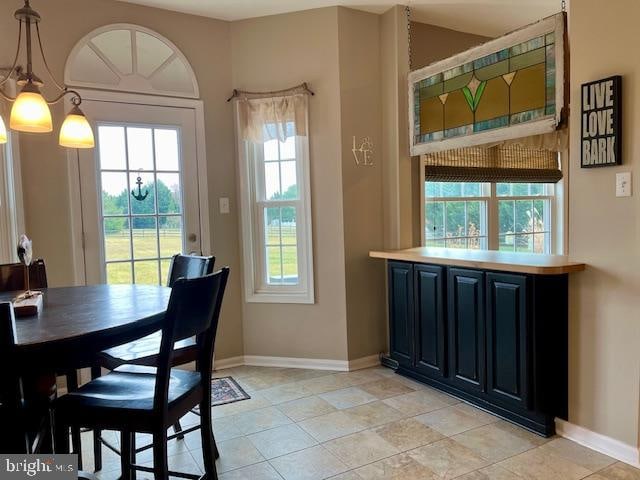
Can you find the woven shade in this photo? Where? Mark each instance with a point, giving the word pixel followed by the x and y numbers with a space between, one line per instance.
pixel 503 163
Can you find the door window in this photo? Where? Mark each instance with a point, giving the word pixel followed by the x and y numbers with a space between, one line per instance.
pixel 142 221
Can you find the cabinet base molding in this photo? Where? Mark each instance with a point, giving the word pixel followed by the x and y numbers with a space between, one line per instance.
pixel 292 362
pixel 545 427
pixel 601 443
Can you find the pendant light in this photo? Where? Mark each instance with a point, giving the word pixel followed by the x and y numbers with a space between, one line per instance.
pixel 76 131
pixel 30 111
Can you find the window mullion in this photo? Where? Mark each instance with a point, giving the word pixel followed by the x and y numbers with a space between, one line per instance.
pixel 493 220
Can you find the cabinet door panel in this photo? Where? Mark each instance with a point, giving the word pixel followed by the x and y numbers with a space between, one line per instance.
pixel 507 351
pixel 466 329
pixel 401 312
pixel 430 320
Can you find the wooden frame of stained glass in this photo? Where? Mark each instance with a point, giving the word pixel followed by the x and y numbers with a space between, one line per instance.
pixel 506 88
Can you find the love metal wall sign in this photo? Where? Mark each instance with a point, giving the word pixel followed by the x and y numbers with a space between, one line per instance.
pixel 601 119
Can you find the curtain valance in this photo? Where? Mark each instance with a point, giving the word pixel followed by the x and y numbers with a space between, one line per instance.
pixel 262 117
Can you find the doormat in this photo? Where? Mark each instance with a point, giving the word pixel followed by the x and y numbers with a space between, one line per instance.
pixel 225 390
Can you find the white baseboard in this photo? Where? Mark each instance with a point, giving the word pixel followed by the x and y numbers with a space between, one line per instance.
pixel 364 362
pixel 292 362
pixel 601 443
pixel 228 362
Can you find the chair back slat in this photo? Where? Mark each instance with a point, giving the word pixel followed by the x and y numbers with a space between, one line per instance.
pixel 13 276
pixel 193 310
pixel 189 266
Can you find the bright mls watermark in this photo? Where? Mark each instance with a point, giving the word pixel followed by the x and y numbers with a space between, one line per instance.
pixel 51 467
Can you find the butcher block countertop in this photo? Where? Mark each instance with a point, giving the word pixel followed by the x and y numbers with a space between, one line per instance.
pixel 535 264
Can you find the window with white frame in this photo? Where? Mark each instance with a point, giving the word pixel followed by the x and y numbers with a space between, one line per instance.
pixel 276 215
pixel 514 217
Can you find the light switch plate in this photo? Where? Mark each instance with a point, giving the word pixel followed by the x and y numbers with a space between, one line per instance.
pixel 224 205
pixel 623 184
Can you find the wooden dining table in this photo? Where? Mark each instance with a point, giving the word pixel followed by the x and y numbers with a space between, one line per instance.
pixel 76 323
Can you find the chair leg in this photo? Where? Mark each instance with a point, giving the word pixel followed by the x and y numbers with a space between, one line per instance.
pixel 127 453
pixel 72 386
pixel 97 451
pixel 76 442
pixel 216 452
pixel 209 447
pixel 60 436
pixel 160 462
pixel 133 455
pixel 178 428
pixel 97 443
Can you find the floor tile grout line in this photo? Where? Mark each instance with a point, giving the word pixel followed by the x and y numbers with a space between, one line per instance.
pixel 403 417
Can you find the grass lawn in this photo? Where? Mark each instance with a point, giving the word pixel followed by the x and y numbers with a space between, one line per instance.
pixel 145 245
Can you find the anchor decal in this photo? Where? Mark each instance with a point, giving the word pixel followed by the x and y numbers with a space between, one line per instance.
pixel 139 196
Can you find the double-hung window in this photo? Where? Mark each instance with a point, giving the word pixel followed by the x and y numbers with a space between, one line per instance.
pixel 276 213
pixel 514 217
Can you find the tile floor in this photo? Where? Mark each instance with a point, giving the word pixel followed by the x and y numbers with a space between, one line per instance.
pixel 366 425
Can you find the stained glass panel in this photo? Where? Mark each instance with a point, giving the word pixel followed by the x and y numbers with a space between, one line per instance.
pixel 510 86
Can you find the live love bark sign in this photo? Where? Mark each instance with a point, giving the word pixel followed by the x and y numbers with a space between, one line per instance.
pixel 601 123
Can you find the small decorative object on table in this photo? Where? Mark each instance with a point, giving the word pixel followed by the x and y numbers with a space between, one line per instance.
pixel 29 302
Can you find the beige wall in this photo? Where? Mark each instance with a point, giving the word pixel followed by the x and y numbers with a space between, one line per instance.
pixel 604 232
pixel 401 183
pixel 271 53
pixel 361 109
pixel 430 43
pixel 206 44
pixel 396 188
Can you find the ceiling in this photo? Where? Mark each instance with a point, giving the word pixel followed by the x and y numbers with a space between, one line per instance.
pixel 483 17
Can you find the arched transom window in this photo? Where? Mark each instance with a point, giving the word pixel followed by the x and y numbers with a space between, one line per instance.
pixel 130 58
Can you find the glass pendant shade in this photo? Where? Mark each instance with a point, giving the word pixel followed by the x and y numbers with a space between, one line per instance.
pixel 3 131
pixel 76 131
pixel 30 112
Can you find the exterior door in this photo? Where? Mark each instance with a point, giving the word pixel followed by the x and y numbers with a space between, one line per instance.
pixel 139 191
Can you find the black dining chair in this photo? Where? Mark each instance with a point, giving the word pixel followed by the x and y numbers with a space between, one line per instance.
pixel 140 399
pixel 13 277
pixel 145 350
pixel 24 398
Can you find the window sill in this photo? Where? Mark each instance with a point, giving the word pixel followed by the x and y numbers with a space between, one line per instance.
pixel 275 297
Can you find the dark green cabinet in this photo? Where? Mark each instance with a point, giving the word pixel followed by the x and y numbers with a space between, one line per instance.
pixel 507 338
pixel 495 339
pixel 466 329
pixel 430 321
pixel 401 312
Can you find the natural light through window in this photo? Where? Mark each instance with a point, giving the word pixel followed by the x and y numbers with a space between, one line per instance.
pixel 515 217
pixel 279 211
pixel 141 202
pixel 276 216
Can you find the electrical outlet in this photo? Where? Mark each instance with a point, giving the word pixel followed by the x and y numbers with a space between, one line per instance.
pixel 224 205
pixel 623 184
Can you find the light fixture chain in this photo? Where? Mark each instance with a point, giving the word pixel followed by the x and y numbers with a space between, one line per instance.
pixel 407 10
